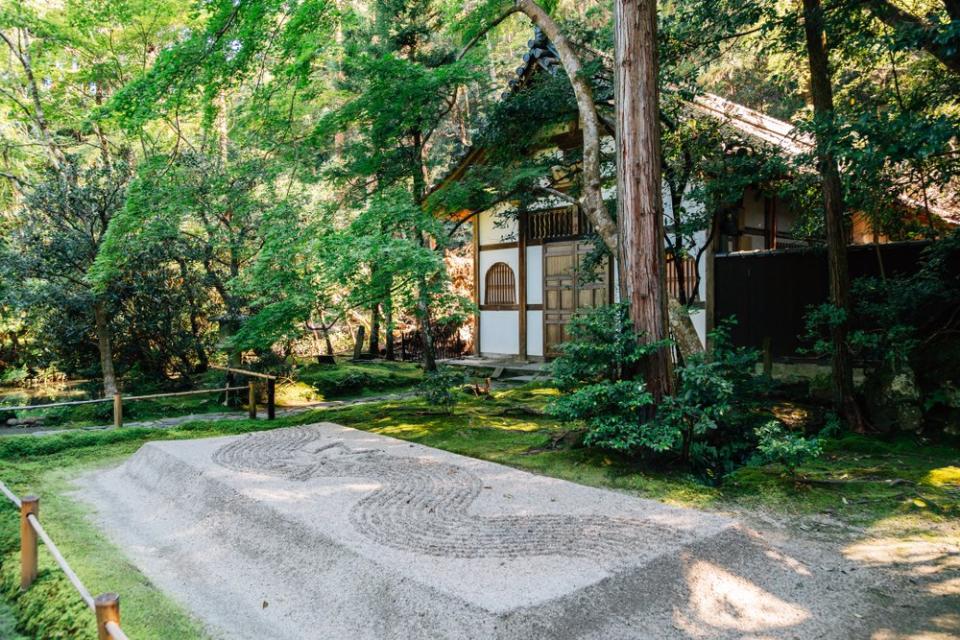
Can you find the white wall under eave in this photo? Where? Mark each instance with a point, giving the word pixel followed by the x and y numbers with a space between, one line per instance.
pixel 535 275
pixel 699 319
pixel 534 333
pixel 499 333
pixel 490 257
pixel 496 228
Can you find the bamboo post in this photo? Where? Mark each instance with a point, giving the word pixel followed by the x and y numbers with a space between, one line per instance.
pixel 117 410
pixel 271 398
pixel 252 399
pixel 107 606
pixel 29 505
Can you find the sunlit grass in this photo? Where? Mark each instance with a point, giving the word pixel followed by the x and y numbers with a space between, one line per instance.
pixel 894 488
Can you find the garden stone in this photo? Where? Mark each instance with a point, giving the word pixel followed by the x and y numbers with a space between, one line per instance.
pixel 893 400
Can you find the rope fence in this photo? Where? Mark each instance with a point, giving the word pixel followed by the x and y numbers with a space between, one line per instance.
pixel 118 399
pixel 106 607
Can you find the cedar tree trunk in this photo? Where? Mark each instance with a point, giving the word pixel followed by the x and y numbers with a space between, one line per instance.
pixel 639 187
pixel 822 94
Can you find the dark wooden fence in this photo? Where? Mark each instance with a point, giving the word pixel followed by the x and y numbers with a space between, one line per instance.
pixel 446 341
pixel 769 291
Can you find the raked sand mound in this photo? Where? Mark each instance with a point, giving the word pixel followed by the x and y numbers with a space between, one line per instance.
pixel 332 533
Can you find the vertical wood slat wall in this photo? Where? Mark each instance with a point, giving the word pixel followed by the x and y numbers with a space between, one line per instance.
pixel 500 285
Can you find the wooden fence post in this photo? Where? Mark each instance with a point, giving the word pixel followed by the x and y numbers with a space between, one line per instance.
pixel 252 399
pixel 117 410
pixel 271 398
pixel 107 606
pixel 29 505
pixel 768 357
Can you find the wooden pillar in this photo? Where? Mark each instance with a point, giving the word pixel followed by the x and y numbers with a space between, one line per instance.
pixel 476 284
pixel 252 399
pixel 107 606
pixel 713 239
pixel 30 505
pixel 522 282
pixel 117 410
pixel 271 399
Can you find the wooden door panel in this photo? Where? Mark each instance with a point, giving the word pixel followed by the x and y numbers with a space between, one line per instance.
pixel 564 292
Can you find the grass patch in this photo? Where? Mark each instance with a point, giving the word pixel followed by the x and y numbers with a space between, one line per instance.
pixel 897 483
pixel 357 379
pixel 51 608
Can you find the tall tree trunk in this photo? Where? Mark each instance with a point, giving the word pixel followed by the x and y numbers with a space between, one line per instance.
pixel 375 329
pixel 639 187
pixel 822 93
pixel 326 340
pixel 388 316
pixel 106 350
pixel 426 330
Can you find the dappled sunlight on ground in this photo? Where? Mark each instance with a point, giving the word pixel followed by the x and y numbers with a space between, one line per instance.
pixel 919 555
pixel 722 601
pixel 943 477
pixel 933 566
pixel 405 430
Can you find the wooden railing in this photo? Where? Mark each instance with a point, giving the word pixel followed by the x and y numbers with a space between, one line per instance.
pixel 106 607
pixel 118 399
pixel 554 224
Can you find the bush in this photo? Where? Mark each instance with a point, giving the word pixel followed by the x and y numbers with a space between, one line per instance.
pixel 713 423
pixel 904 331
pixel 441 388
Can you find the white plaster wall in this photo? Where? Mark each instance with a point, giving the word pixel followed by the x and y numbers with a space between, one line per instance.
pixel 534 333
pixel 699 319
pixel 535 275
pixel 492 256
pixel 496 228
pixel 499 332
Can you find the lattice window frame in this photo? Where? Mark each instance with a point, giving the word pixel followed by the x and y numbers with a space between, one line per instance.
pixel 501 285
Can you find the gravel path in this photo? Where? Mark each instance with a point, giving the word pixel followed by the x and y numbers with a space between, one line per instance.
pixel 327 532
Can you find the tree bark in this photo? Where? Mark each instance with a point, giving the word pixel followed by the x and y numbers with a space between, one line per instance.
pixel 821 92
pixel 639 185
pixel 592 199
pixel 106 350
pixel 375 329
pixel 388 317
pixel 426 330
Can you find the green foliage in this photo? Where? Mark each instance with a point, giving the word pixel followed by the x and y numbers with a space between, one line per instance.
pixel 905 323
pixel 440 388
pixel 713 422
pixel 776 444
pixel 602 347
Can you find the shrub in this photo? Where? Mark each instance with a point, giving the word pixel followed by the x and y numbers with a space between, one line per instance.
pixel 441 388
pixel 904 331
pixel 712 423
pixel 776 444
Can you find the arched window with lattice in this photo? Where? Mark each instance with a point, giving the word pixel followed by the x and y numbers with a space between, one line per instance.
pixel 501 285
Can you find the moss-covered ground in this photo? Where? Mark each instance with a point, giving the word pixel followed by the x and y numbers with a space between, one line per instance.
pixel 897 487
pixel 308 383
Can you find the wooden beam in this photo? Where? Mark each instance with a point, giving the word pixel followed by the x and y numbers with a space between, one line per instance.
pixel 476 284
pixel 522 281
